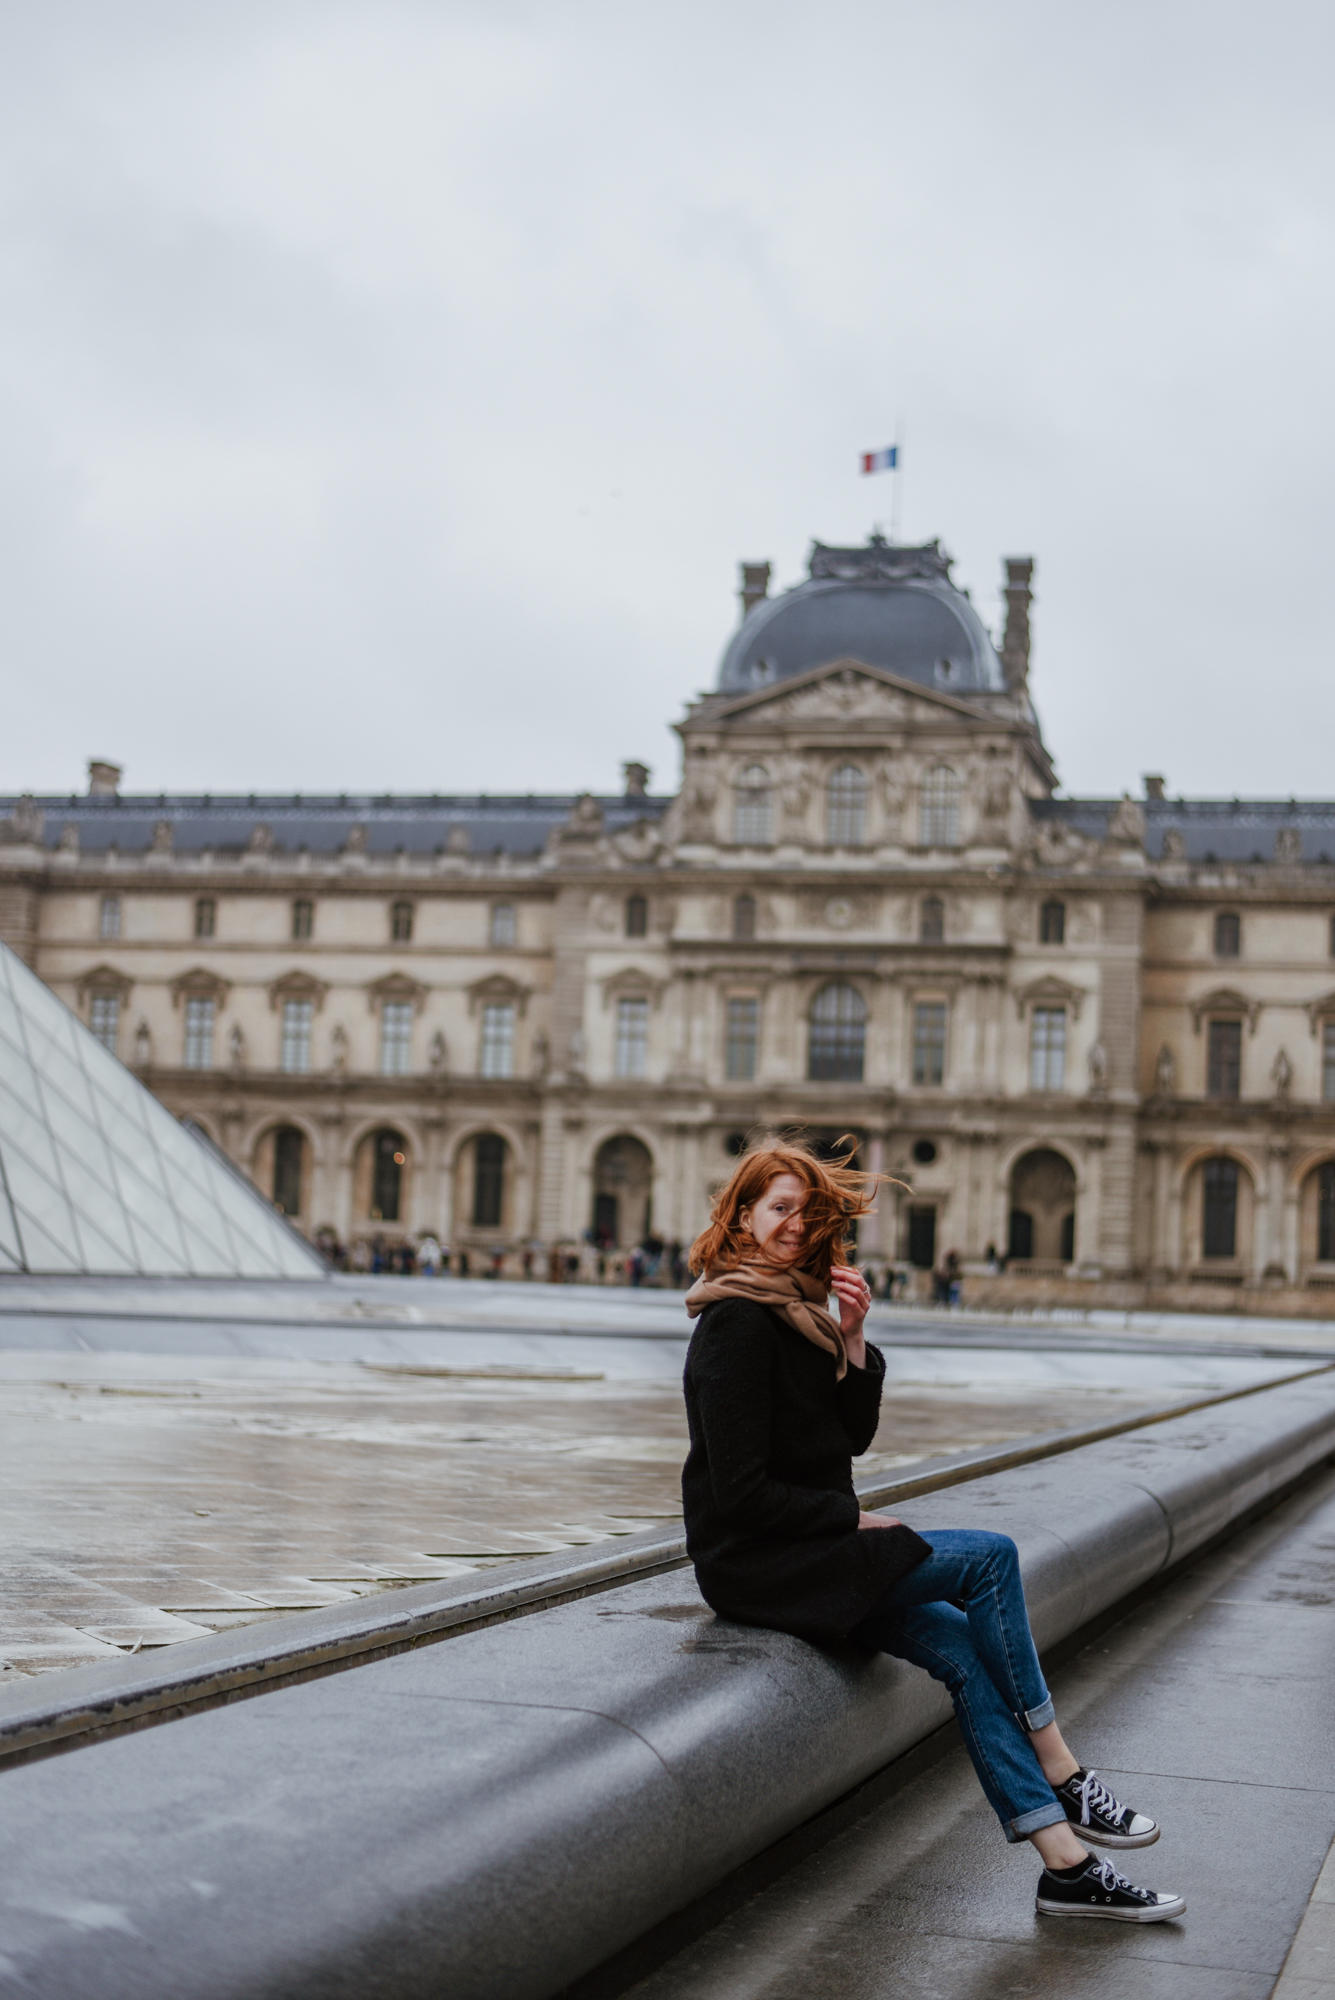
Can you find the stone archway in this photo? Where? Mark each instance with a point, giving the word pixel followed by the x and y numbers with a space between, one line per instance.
pixel 623 1185
pixel 1042 1209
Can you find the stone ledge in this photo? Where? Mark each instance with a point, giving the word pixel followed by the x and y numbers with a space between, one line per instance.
pixel 499 1814
pixel 55 1711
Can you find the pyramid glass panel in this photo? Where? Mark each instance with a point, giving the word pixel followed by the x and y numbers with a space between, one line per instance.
pixel 96 1176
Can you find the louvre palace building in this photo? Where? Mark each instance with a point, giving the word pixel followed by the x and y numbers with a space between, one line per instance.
pixel 1095 1036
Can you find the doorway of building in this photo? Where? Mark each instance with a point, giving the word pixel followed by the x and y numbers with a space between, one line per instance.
pixel 922 1237
pixel 623 1184
pixel 1042 1209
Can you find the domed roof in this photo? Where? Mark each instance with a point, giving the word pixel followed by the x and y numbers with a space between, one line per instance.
pixel 891 607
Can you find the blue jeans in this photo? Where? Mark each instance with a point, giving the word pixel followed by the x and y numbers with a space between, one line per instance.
pixel 961 1615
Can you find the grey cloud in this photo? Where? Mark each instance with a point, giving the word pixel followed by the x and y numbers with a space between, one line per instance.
pixel 392 388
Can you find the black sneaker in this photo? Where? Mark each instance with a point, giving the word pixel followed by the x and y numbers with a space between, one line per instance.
pixel 1099 1891
pixel 1102 1819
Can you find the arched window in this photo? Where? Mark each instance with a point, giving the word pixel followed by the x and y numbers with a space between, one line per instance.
pixel 1219 1208
pixel 838 1033
pixel 753 808
pixel 1052 923
pixel 289 1149
pixel 637 916
pixel 931 920
pixel 1227 934
pixel 488 1180
pixel 939 808
pixel 389 1154
pixel 846 807
pixel 1325 1212
pixel 401 923
pixel 744 917
pixel 206 917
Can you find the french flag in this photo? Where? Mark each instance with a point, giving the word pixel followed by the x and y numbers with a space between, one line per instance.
pixel 881 461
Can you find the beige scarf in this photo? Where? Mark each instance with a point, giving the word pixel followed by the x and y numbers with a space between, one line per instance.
pixel 794 1295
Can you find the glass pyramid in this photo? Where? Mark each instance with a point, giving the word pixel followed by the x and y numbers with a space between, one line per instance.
pixel 97 1177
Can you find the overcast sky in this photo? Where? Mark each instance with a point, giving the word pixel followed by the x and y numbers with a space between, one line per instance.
pixel 390 387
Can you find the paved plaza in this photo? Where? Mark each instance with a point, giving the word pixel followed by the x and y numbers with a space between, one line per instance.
pixel 177 1460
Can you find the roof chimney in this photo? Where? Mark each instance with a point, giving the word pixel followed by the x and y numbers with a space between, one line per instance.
pixel 755 585
pixel 636 777
pixel 1015 640
pixel 1154 783
pixel 103 779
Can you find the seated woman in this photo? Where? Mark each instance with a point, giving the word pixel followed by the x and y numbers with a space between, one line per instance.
pixel 779 1396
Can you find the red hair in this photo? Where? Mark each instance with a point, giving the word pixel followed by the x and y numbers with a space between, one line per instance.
pixel 837 1192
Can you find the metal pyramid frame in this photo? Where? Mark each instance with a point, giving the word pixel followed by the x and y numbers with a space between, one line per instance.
pixel 98 1178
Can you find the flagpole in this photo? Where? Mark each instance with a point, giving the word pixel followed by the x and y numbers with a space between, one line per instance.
pixel 895 487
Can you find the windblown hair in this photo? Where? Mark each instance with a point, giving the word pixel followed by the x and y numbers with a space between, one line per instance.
pixel 837 1193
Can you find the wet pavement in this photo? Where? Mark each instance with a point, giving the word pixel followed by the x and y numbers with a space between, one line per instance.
pixel 176 1461
pixel 1208 1704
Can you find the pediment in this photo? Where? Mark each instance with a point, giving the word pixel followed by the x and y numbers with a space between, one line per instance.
pixel 844 690
pixel 1049 991
pixel 1224 1000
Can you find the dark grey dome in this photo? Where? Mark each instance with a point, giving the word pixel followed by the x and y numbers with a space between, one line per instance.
pixel 890 607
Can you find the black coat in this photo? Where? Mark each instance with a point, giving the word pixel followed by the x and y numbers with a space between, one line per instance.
pixel 771 1515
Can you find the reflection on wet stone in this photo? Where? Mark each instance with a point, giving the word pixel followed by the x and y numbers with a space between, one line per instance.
pixel 148 1498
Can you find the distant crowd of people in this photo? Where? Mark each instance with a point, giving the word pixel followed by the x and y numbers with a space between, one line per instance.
pixel 654 1262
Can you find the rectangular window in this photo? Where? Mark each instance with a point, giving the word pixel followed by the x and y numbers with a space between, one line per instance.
pixel 401 923
pixel 504 928
pixel 1219 1209
pixel 929 1042
pixel 1227 934
pixel 303 920
pixel 294 1054
pixel 396 1037
pixel 206 917
pixel 1223 1061
pixel 632 1037
pixel 109 917
pixel 1052 923
pixel 741 1037
pixel 104 1018
pixel 200 1013
pixel 1328 1061
pixel 498 1038
pixel 1047 1049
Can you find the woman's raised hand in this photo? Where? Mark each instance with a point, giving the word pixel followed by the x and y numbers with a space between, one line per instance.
pixel 854 1296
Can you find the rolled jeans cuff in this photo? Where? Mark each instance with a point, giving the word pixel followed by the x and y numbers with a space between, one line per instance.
pixel 1024 1824
pixel 1040 1717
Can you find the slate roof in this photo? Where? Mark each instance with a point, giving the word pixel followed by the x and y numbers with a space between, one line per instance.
pixel 894 608
pixel 1224 830
pixel 511 824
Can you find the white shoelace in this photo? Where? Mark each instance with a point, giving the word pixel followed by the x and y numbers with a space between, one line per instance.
pixel 1112 1881
pixel 1094 1796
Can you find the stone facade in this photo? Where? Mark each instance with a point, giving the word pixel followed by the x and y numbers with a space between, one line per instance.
pixel 1095 1034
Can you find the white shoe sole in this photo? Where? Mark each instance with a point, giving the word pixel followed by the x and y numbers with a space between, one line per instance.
pixel 1158 1915
pixel 1097 1839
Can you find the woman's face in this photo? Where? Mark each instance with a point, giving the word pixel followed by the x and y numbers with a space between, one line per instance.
pixel 775 1221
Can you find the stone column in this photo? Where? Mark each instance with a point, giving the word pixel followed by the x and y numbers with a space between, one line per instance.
pixel 1268 1233
pixel 551 1156
pixel 577 1178
pixel 1175 1247
pixel 871 1231
pixel 427 1202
